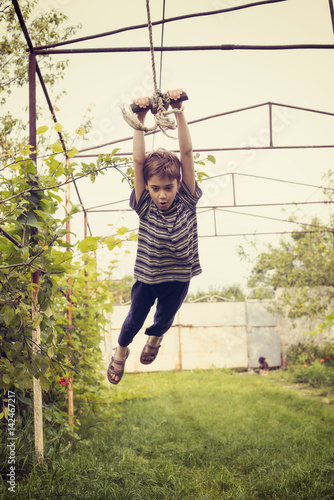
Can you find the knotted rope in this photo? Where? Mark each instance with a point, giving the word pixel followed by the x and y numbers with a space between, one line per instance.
pixel 159 101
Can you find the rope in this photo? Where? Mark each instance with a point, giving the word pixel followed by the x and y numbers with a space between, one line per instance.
pixel 160 101
pixel 149 24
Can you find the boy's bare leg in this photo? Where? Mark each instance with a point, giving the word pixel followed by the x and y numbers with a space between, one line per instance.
pixel 153 341
pixel 121 353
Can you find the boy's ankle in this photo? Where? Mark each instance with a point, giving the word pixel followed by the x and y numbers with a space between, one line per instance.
pixel 121 353
pixel 153 341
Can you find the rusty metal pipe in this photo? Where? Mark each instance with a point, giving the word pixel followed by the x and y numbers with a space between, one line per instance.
pixel 186 48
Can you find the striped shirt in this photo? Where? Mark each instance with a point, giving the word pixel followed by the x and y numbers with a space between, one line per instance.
pixel 167 240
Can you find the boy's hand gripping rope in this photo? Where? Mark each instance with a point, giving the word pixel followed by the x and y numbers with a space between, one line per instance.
pixel 159 102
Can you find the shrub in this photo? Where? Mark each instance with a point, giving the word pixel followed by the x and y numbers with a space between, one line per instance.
pixel 309 351
pixel 312 364
pixel 316 375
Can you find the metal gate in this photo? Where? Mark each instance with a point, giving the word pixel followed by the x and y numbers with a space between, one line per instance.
pixel 262 333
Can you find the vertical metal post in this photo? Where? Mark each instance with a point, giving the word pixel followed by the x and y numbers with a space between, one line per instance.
pixel 85 223
pixel 179 339
pixel 233 186
pixel 86 261
pixel 36 333
pixel 247 332
pixel 214 220
pixel 271 124
pixel 331 8
pixel 70 398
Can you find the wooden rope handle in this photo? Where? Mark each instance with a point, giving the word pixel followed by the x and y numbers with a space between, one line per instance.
pixel 137 109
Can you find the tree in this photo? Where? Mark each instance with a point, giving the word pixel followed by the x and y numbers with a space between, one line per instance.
pixel 121 289
pixel 43 28
pixel 303 265
pixel 30 200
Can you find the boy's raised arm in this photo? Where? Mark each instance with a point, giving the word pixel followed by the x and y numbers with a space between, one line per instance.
pixel 139 150
pixel 185 144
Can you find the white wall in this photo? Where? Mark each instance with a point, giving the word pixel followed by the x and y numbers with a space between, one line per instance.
pixel 204 335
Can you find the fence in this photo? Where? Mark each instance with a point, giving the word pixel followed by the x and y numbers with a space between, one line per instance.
pixel 220 334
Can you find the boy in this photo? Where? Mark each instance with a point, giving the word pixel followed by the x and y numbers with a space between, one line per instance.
pixel 167 254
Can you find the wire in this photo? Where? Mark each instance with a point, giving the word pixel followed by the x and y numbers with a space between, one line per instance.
pixel 269 179
pixel 161 53
pixel 276 219
pixel 162 39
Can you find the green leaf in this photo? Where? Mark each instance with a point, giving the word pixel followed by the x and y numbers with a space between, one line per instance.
pixel 57 147
pixel 42 214
pixel 53 164
pixel 72 152
pixel 112 242
pixel 122 230
pixel 30 220
pixel 30 168
pixel 4 414
pixel 89 244
pixel 45 383
pixel 37 320
pixel 42 129
pixel 58 127
pixel 133 236
pixel 8 314
pixel 6 378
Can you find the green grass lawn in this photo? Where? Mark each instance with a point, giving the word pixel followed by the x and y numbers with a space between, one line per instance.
pixel 196 435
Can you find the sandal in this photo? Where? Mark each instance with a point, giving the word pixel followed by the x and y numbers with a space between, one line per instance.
pixel 112 370
pixel 150 352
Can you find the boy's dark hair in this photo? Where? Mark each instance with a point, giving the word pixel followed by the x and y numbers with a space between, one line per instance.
pixel 162 163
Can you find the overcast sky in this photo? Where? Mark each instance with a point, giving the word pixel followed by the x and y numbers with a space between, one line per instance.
pixel 216 82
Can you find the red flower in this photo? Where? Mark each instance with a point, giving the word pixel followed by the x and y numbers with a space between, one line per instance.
pixel 322 360
pixel 63 381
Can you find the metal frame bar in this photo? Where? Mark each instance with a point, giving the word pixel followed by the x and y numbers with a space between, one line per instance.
pixel 162 21
pixel 225 113
pixel 220 207
pixel 44 50
pixel 187 48
pixel 203 150
pixel 331 8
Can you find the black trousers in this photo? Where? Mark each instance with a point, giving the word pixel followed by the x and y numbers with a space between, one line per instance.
pixel 170 297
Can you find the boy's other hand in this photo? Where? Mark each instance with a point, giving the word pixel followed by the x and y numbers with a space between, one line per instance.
pixel 142 102
pixel 174 95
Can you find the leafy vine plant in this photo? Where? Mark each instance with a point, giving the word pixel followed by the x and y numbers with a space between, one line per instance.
pixel 32 238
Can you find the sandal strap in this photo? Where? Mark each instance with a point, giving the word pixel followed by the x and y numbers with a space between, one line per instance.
pixel 118 361
pixel 114 370
pixel 150 352
pixel 158 344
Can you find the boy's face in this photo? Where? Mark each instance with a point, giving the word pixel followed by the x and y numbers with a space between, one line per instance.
pixel 162 191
